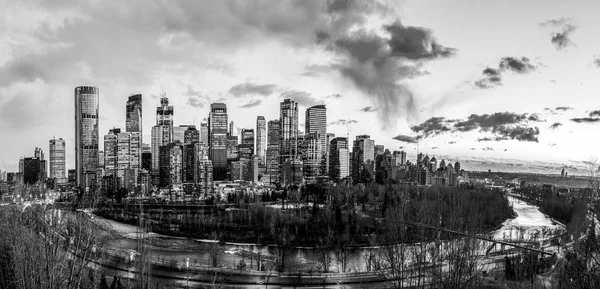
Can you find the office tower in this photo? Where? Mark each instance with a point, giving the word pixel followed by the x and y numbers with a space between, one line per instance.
pixel 217 135
pixel 171 165
pixel 261 140
pixel 419 159
pixel 21 165
pixel 433 164
pixel 38 153
pixel 442 165
pixel 204 131
pixel 57 160
pixel 232 148
pixel 312 156
pixel 338 158
pixel 191 135
pixel 86 135
pixel 246 147
pixel 33 170
pixel 288 118
pixel 147 161
pixel 233 131
pixel 457 167
pixel 328 138
pixel 316 121
pixel 379 150
pixel 133 113
pixel 122 157
pixel 273 149
pixel 162 134
pixel 383 167
pixel 179 133
pixel 363 164
pixel 291 172
pixel 192 154
pixel 205 176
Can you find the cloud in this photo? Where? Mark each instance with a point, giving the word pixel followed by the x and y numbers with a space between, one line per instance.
pixel 596 61
pixel 251 103
pixel 377 60
pixel 368 109
pixel 562 30
pixel 488 149
pixel 252 89
pixel 473 149
pixel 564 108
pixel 586 120
pixel 315 70
pixel 492 77
pixel 451 142
pixel 595 113
pixel 555 125
pixel 406 138
pixel 195 98
pixel 502 126
pixel 336 96
pixel 434 148
pixel 343 122
pixel 301 97
pixel 484 139
pixel 432 126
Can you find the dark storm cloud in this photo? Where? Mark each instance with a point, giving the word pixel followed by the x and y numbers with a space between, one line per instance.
pixel 251 103
pixel 406 138
pixel 303 98
pixel 492 77
pixel 586 120
pixel 368 109
pixel 502 126
pixel 376 63
pixel 252 89
pixel 563 108
pixel 432 126
pixel 343 122
pixel 595 113
pixel 562 30
pixel 555 125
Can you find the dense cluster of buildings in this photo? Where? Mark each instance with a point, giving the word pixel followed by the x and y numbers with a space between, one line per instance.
pixel 192 160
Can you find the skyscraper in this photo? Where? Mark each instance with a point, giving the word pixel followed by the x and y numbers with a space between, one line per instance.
pixel 248 141
pixel 363 162
pixel 312 156
pixel 233 131
pixel 162 134
pixel 273 149
pixel 133 116
pixel 328 138
pixel 86 135
pixel 217 136
pixel 122 155
pixel 261 139
pixel 204 131
pixel 316 121
pixel 179 133
pixel 338 158
pixel 57 160
pixel 191 135
pixel 288 122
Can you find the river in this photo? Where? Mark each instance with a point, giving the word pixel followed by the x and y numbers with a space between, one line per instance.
pixel 529 225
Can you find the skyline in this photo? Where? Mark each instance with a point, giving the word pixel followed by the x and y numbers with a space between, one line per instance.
pixel 46 56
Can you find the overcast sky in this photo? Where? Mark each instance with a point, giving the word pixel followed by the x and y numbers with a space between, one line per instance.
pixel 508 81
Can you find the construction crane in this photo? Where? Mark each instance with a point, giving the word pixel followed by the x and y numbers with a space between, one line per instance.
pixel 163 93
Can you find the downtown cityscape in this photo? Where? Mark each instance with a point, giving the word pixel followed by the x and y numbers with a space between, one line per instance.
pixel 299 144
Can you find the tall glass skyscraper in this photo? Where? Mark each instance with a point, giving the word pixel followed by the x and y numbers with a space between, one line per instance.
pixel 162 134
pixel 316 126
pixel 133 116
pixel 288 121
pixel 261 139
pixel 273 149
pixel 204 131
pixel 217 139
pixel 57 160
pixel 86 135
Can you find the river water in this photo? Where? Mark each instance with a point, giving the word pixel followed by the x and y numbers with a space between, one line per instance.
pixel 529 225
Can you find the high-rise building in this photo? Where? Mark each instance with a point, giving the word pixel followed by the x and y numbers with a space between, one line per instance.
pixel 171 165
pixel 291 172
pixel 363 164
pixel 34 170
pixel 273 149
pixel 288 119
pixel 232 148
pixel 179 133
pixel 246 148
pixel 457 167
pixel 122 156
pixel 86 135
pixel 133 113
pixel 58 168
pixel 205 176
pixel 339 159
pixel 191 135
pixel 312 156
pixel 204 131
pixel 162 134
pixel 217 135
pixel 316 121
pixel 328 138
pixel 233 131
pixel 379 150
pixel 261 140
